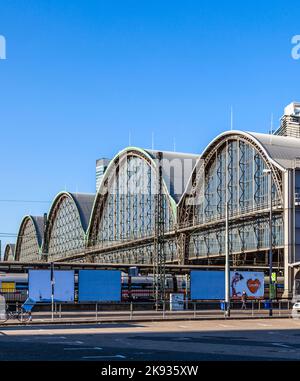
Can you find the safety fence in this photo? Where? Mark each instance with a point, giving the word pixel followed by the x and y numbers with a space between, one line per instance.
pixel 118 312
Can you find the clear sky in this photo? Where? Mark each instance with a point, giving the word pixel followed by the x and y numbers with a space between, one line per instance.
pixel 81 75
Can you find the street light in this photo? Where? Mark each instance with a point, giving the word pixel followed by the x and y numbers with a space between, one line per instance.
pixel 269 173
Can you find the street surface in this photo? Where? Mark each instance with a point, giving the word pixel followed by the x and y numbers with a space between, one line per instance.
pixel 253 339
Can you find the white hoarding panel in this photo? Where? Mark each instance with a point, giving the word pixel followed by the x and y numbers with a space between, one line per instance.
pixel 99 286
pixel 250 282
pixel 176 302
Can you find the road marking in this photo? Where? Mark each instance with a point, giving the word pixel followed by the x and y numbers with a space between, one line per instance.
pixel 281 345
pixel 264 325
pixel 102 357
pixel 85 349
pixel 65 342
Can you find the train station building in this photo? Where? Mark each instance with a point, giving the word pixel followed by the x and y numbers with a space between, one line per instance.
pixel 237 179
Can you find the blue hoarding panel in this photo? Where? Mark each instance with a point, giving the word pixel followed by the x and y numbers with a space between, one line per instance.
pixel 208 285
pixel 99 286
pixel 64 285
pixel 40 285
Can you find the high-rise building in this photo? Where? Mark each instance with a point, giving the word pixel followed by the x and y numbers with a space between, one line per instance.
pixel 101 165
pixel 290 121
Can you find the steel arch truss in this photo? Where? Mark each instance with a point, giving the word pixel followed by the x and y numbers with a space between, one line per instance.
pixel 124 209
pixel 241 160
pixel 231 168
pixel 27 245
pixel 64 233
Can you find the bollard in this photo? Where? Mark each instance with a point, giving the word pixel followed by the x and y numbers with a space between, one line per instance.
pixel 131 310
pixel 280 308
pixel 60 311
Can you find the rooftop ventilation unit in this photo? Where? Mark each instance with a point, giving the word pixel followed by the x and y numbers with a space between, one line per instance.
pixel 290 121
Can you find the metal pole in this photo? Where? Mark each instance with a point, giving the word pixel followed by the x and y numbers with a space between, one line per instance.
pixel 271 244
pixel 186 292
pixel 52 290
pixel 227 264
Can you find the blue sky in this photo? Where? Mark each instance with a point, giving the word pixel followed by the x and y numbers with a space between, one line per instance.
pixel 81 75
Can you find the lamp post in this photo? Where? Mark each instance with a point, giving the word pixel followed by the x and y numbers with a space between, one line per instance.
pixel 269 173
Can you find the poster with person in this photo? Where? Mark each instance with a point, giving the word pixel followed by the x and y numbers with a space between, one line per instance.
pixel 247 281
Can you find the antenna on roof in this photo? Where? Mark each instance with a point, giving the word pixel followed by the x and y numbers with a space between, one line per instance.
pixel 231 118
pixel 271 128
pixel 271 124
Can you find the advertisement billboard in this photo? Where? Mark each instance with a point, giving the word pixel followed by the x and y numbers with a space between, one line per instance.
pixel 176 302
pixel 250 282
pixel 210 285
pixel 40 289
pixel 99 286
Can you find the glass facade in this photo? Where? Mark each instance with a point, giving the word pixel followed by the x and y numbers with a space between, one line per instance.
pixel 128 212
pixel 235 173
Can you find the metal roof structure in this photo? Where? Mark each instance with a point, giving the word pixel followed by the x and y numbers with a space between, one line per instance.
pixel 84 203
pixel 176 169
pixel 39 227
pixel 9 250
pixel 283 149
pixel 32 230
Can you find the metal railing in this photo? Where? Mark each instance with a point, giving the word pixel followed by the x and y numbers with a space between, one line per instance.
pixel 145 311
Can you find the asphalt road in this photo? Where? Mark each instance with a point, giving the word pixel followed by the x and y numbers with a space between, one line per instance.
pixel 263 339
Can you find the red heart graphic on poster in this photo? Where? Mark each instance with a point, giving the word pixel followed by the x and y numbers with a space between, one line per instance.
pixel 253 285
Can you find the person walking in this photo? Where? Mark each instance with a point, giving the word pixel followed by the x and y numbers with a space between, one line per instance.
pixel 244 300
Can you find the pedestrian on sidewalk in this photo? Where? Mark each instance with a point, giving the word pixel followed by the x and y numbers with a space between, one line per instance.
pixel 244 300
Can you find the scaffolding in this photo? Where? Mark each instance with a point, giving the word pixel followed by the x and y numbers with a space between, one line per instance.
pixel 159 258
